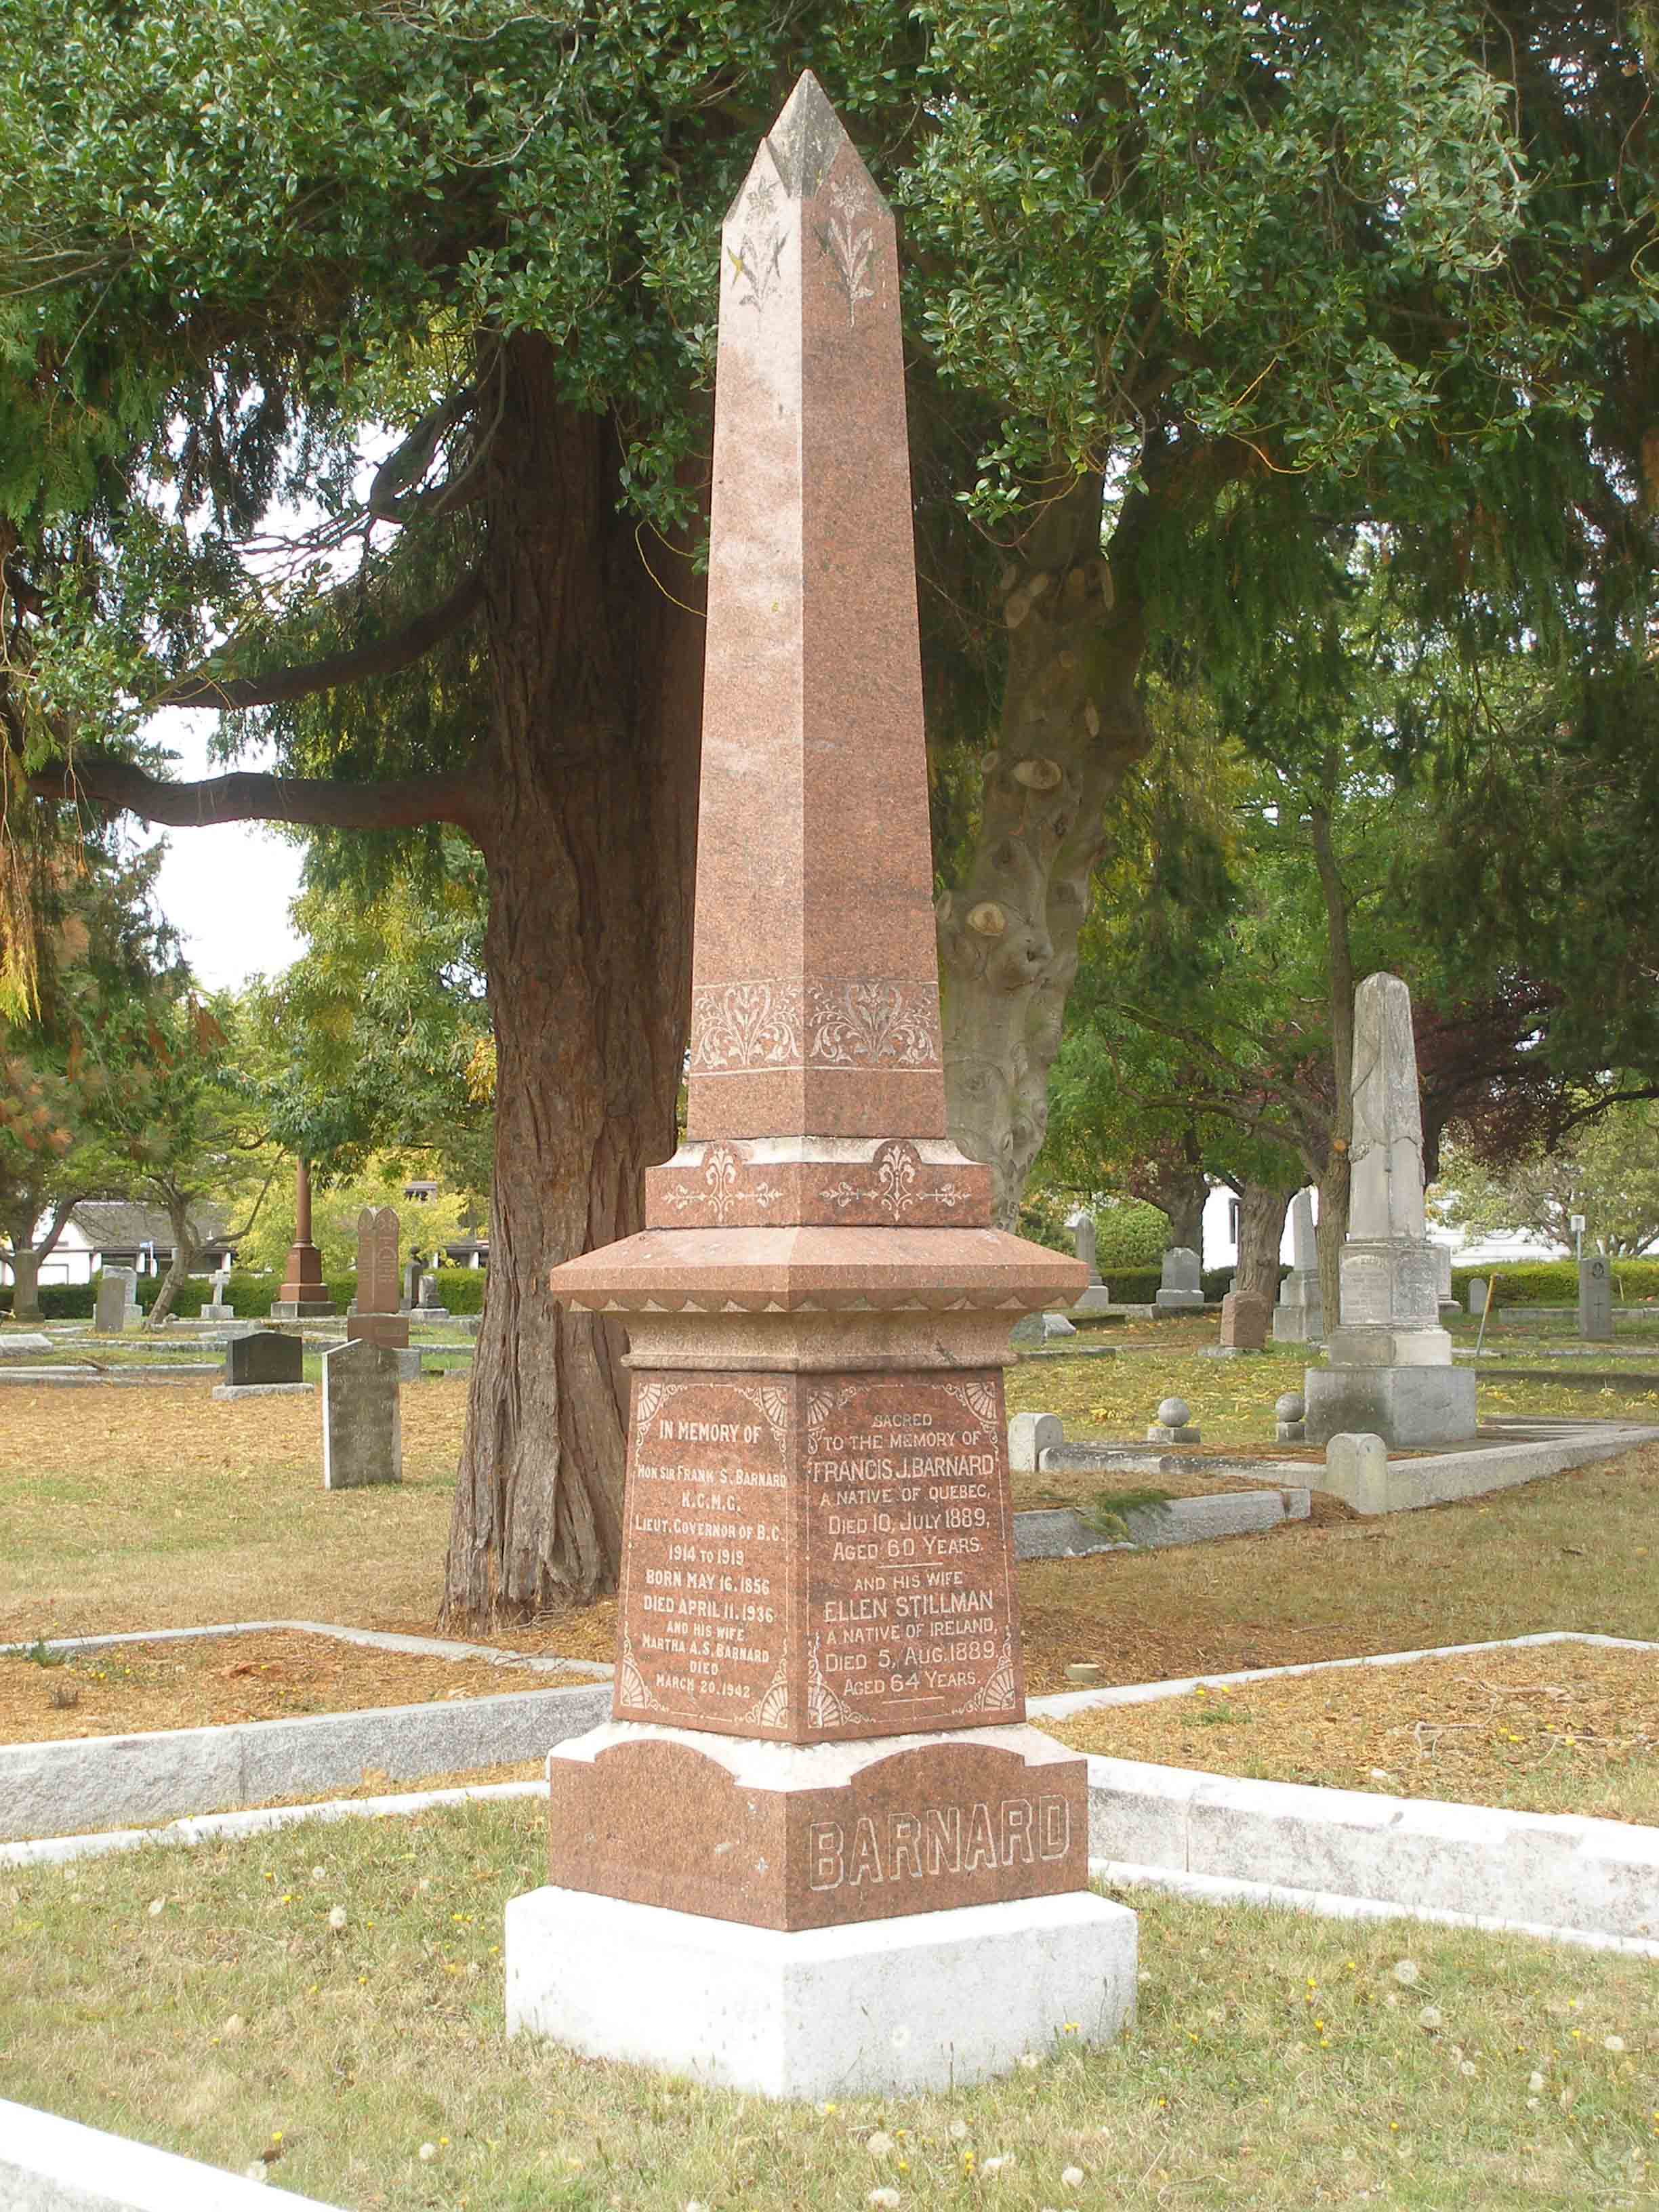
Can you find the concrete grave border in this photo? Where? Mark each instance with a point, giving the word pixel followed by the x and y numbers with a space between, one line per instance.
pixel 53 2164
pixel 1567 1875
pixel 1062 1532
pixel 52 1788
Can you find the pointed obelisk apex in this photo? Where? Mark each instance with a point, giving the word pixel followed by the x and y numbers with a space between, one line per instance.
pixel 815 998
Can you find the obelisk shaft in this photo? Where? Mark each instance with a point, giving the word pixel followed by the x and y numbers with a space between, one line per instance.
pixel 815 998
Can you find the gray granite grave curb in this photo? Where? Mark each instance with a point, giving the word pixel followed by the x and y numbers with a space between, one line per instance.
pixel 1212 1889
pixel 1062 1533
pixel 1548 1870
pixel 94 1782
pixel 130 1378
pixel 256 1820
pixel 53 2164
pixel 51 1789
pixel 1534 1449
pixel 264 1390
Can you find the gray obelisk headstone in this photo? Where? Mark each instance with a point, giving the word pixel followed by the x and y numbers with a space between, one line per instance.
pixel 1299 1317
pixel 1097 1297
pixel 1389 1365
pixel 1596 1299
pixel 363 1425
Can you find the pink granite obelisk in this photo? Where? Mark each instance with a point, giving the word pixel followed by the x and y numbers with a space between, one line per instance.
pixel 818 1734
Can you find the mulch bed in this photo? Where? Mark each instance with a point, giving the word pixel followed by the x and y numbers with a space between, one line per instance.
pixel 1556 1727
pixel 208 1681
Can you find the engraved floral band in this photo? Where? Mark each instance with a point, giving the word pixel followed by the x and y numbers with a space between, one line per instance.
pixel 742 1028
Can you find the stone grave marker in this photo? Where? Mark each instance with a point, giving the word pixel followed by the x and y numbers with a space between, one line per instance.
pixel 1596 1299
pixel 117 1305
pixel 817 1799
pixel 218 1307
pixel 1479 1290
pixel 1246 1319
pixel 1182 1280
pixel 304 1294
pixel 376 1319
pixel 1097 1296
pixel 1299 1315
pixel 1443 1281
pixel 262 1363
pixel 414 1276
pixel 363 1420
pixel 1388 1369
pixel 427 1303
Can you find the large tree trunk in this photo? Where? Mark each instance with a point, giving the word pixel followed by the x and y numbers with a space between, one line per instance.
pixel 1071 723
pixel 1260 1232
pixel 590 839
pixel 184 1255
pixel 26 1282
pixel 1336 1171
pixel 1180 1194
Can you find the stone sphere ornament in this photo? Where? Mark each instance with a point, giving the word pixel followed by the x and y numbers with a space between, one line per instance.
pixel 1174 1412
pixel 1292 1407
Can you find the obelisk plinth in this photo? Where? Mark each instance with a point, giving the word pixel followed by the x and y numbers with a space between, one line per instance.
pixel 816 1847
pixel 1388 1367
pixel 304 1294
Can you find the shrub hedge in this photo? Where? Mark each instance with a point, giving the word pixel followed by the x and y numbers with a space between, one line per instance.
pixel 1555 1282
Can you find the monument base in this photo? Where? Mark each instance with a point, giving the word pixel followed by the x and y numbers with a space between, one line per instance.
pixel 1407 1407
pixel 1176 1301
pixel 303 1309
pixel 1298 1325
pixel 428 1313
pixel 799 1835
pixel 879 2008
pixel 1096 1299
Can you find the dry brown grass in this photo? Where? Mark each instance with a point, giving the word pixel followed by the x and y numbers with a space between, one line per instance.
pixel 1557 1728
pixel 271 1675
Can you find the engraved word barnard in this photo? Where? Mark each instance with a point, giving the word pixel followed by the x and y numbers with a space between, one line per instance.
pixel 938 1839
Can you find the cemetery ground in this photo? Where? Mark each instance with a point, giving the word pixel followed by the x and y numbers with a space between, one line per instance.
pixel 203 2000
pixel 140 1510
pixel 200 1999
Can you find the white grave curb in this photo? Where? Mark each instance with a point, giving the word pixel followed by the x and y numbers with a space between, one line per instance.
pixel 94 1782
pixel 1577 1877
pixel 53 2164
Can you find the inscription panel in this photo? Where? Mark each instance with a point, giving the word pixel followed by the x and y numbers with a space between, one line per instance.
pixel 815 1557
pixel 911 1615
pixel 707 1542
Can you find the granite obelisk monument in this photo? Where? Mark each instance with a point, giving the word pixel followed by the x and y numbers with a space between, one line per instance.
pixel 1388 1367
pixel 817 1849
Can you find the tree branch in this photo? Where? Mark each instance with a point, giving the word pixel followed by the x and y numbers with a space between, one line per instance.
pixel 401 804
pixel 382 657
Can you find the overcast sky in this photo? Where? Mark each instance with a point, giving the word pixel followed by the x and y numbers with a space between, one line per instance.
pixel 226 889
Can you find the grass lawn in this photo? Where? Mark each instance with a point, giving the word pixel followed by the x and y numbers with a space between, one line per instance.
pixel 200 2000
pixel 136 1509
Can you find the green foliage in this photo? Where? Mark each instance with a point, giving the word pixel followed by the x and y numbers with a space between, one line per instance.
pixel 1128 1234
pixel 1555 1282
pixel 1607 1171
pixel 462 1289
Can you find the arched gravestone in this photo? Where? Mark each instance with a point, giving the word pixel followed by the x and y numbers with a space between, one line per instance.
pixel 377 1320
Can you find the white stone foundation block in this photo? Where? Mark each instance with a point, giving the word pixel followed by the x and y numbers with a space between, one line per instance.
pixel 886 2007
pixel 1409 1407
pixel 1030 1434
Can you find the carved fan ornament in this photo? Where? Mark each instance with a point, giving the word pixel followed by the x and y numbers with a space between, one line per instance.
pixel 997 1694
pixel 824 1708
pixel 771 1708
pixel 979 1398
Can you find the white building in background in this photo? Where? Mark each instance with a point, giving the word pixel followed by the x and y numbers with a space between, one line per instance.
pixel 115 1233
pixel 1510 1245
